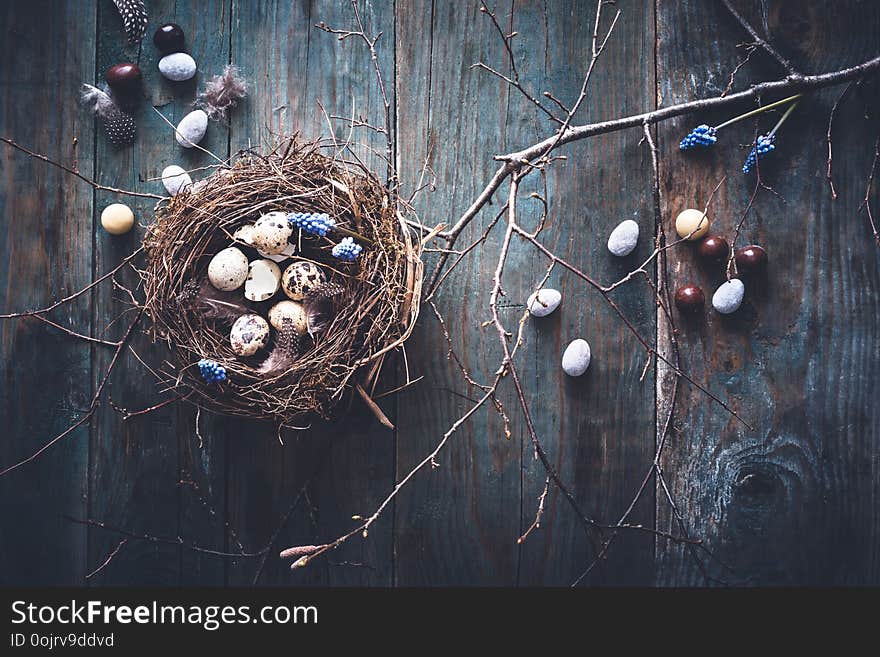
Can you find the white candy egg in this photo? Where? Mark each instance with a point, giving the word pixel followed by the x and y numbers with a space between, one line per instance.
pixel 192 128
pixel 175 178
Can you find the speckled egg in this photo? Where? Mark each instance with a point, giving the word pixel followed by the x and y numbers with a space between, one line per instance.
pixel 228 270
pixel 271 232
pixel 292 310
pixel 249 334
pixel 300 278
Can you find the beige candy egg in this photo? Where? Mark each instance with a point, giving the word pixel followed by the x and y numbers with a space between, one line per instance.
pixel 292 310
pixel 300 278
pixel 271 232
pixel 117 219
pixel 249 334
pixel 692 221
pixel 228 269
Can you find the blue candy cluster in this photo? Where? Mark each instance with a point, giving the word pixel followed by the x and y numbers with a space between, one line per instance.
pixel 702 135
pixel 347 250
pixel 314 224
pixel 212 371
pixel 766 143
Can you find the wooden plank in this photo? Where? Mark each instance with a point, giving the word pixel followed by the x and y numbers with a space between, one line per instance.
pixel 137 465
pixel 793 501
pixel 457 524
pixel 598 430
pixel 323 476
pixel 46 251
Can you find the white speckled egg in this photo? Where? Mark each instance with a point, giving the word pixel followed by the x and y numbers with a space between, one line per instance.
pixel 271 232
pixel 544 301
pixel 175 178
pixel 249 334
pixel 228 269
pixel 576 358
pixel 177 66
pixel 300 278
pixel 263 279
pixel 192 128
pixel 292 310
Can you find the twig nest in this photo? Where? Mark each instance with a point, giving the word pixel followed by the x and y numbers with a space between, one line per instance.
pixel 228 270
pixel 729 296
pixel 177 66
pixel 117 219
pixel 249 334
pixel 300 278
pixel 544 301
pixel 576 357
pixel 271 232
pixel 263 279
pixel 192 128
pixel 624 238
pixel 692 224
pixel 293 311
pixel 175 178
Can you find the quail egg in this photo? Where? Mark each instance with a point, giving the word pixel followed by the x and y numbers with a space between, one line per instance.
pixel 228 269
pixel 300 278
pixel 271 232
pixel 249 334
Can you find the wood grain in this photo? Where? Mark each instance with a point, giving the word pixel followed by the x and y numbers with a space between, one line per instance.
pixel 791 502
pixel 46 253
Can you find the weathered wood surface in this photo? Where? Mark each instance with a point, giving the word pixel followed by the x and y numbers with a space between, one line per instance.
pixel 792 502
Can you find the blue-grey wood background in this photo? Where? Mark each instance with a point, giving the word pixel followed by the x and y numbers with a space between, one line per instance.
pixel 794 501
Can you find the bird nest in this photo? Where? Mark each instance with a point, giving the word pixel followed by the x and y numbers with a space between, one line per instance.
pixel 371 308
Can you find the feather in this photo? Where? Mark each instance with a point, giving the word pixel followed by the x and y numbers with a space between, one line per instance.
pixel 222 93
pixel 287 348
pixel 134 18
pixel 119 126
pixel 208 303
pixel 319 306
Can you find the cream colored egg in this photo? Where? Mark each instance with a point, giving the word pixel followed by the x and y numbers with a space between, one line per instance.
pixel 117 219
pixel 300 278
pixel 263 280
pixel 692 222
pixel 249 334
pixel 228 269
pixel 292 310
pixel 271 232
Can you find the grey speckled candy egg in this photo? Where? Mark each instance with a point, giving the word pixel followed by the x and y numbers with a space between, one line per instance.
pixel 300 278
pixel 228 269
pixel 576 358
pixel 249 334
pixel 177 66
pixel 729 296
pixel 192 128
pixel 271 232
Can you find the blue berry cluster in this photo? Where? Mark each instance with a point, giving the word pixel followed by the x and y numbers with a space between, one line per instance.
pixel 347 250
pixel 312 223
pixel 766 143
pixel 212 371
pixel 702 135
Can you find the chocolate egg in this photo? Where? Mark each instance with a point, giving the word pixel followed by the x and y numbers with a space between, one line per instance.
pixel 714 249
pixel 124 78
pixel 169 38
pixel 750 259
pixel 689 299
pixel 300 278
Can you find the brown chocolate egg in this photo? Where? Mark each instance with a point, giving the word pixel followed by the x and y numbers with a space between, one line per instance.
pixel 689 299
pixel 169 38
pixel 750 259
pixel 124 78
pixel 713 249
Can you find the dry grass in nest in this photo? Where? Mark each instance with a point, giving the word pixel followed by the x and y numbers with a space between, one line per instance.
pixel 374 315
